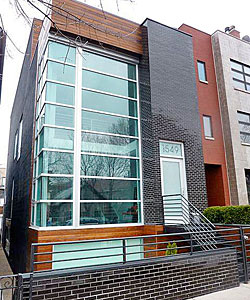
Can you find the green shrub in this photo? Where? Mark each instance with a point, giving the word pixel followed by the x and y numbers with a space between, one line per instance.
pixel 228 214
pixel 171 249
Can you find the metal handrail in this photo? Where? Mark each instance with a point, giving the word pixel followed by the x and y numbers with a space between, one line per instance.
pixel 190 204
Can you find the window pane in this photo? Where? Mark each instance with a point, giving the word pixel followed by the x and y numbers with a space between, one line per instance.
pixel 55 188
pixel 108 65
pixel 109 103
pixel 236 66
pixel 59 115
pixel 247 78
pixel 201 71
pixel 97 143
pixel 108 84
pixel 110 124
pixel 244 128
pixel 57 138
pixel 54 214
pixel 60 93
pixel 238 75
pixel 55 163
pixel 109 189
pixel 245 138
pixel 243 117
pixel 239 85
pixel 247 70
pixel 62 52
pixel 207 126
pixel 92 165
pixel 61 72
pixel 110 213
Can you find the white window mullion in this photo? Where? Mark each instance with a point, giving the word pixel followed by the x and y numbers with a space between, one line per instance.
pixel 77 142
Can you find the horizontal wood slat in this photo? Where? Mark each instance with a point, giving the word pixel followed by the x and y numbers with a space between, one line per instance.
pixel 92 23
pixel 36 28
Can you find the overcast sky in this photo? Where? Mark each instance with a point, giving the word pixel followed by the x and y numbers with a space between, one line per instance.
pixel 204 15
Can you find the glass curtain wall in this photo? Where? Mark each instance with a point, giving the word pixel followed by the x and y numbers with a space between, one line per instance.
pixel 105 172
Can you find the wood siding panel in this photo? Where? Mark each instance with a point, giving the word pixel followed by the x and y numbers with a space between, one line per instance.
pixel 51 236
pixel 36 28
pixel 92 23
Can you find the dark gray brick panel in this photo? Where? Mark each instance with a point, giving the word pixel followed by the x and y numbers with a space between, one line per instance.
pixel 168 278
pixel 169 111
pixel 20 170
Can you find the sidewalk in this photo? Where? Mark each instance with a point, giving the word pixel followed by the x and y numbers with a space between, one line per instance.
pixel 239 293
pixel 4 265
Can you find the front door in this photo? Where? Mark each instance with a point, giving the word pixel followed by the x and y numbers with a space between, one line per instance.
pixel 173 180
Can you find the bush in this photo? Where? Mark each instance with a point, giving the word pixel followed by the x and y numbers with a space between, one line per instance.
pixel 171 249
pixel 228 214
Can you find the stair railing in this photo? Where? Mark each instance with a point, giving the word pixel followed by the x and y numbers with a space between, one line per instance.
pixel 192 219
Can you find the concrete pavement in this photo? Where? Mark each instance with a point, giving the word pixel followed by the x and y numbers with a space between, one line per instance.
pixel 239 293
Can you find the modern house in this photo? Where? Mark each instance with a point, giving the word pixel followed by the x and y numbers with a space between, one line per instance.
pixel 111 130
pixel 232 65
pixel 210 118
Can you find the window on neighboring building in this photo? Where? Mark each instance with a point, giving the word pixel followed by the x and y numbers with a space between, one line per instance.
pixel 207 124
pixel 15 145
pixel 96 109
pixel 20 132
pixel 241 75
pixel 247 176
pixel 202 71
pixel 244 124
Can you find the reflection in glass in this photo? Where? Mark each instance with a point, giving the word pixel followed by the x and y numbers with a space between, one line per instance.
pixel 109 189
pixel 62 52
pixel 55 188
pixel 92 165
pixel 110 124
pixel 55 163
pixel 108 84
pixel 239 85
pixel 107 103
pixel 108 65
pixel 56 138
pixel 99 143
pixel 109 213
pixel 60 72
pixel 236 66
pixel 54 214
pixel 60 93
pixel 59 115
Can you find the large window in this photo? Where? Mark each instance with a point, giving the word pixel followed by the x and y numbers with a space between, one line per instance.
pixel 244 124
pixel 87 147
pixel 241 75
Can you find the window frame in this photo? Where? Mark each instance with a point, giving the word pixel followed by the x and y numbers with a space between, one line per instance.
pixel 20 136
pixel 210 129
pixel 243 123
pixel 204 69
pixel 241 72
pixel 77 131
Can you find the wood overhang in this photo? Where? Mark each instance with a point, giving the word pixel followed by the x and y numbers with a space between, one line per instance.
pixel 88 22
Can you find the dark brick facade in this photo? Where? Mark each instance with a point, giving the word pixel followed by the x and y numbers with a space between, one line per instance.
pixel 168 278
pixel 169 111
pixel 20 170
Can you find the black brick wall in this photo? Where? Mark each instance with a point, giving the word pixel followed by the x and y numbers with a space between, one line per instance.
pixel 169 111
pixel 20 170
pixel 168 278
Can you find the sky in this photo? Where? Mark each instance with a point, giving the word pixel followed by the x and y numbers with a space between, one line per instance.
pixel 207 16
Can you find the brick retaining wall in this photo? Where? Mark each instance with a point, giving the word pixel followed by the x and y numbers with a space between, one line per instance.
pixel 180 277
